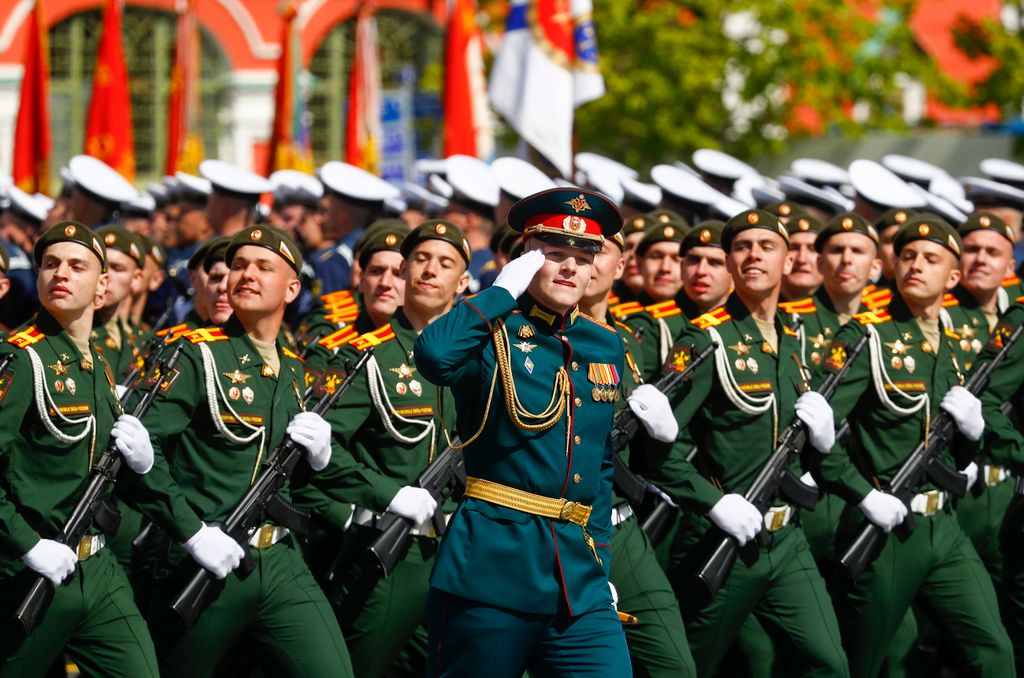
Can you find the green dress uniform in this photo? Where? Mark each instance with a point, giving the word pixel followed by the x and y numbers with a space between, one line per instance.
pixel 212 426
pixel 657 645
pixel 734 407
pixel 890 394
pixel 1004 445
pixel 390 425
pixel 54 423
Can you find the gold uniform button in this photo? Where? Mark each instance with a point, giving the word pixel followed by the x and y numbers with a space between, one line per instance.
pixel 578 402
pixel 577 440
pixel 575 365
pixel 577 478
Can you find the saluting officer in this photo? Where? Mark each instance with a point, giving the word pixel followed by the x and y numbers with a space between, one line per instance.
pixel 525 557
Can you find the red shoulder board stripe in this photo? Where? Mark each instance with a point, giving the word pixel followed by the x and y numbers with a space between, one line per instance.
pixel 339 338
pixel 173 333
pixel 341 296
pixel 345 314
pixel 206 334
pixel 949 300
pixel 378 336
pixel 1010 281
pixel 801 306
pixel 712 318
pixel 613 299
pixel 664 309
pixel 288 353
pixel 26 337
pixel 627 309
pixel 872 317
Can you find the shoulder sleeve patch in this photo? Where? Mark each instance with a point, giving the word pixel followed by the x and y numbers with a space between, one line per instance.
pixel 28 336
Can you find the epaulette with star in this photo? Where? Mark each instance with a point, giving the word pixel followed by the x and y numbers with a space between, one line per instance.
pixel 799 306
pixel 599 323
pixel 949 300
pixel 205 335
pixel 873 317
pixel 626 309
pixel 173 333
pixel 663 309
pixel 873 297
pixel 1011 281
pixel 336 339
pixel 374 338
pixel 613 299
pixel 26 337
pixel 711 318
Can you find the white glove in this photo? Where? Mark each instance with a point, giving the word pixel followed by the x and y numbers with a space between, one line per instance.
pixel 517 274
pixel 214 550
pixel 972 474
pixel 815 412
pixel 652 409
pixel 615 594
pixel 808 480
pixel 53 560
pixel 965 409
pixel 132 441
pixel 413 503
pixel 883 509
pixel 312 432
pixel 737 517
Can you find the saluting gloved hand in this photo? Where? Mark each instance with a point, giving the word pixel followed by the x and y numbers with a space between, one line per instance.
pixel 737 517
pixel 615 594
pixel 132 440
pixel 312 432
pixel 53 560
pixel 883 509
pixel 214 550
pixel 413 503
pixel 816 413
pixel 972 474
pixel 517 274
pixel 652 409
pixel 965 408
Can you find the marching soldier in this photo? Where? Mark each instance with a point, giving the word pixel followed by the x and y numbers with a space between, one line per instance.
pixel 236 393
pixel 48 444
pixel 113 331
pixel 804 278
pixel 913 368
pixel 734 408
pixel 525 557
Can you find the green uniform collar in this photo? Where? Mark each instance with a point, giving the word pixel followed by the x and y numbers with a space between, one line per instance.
pixel 541 316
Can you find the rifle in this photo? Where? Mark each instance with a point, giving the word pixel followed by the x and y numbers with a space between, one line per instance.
pixel 89 509
pixel 775 478
pixel 636 489
pixel 445 475
pixel 923 463
pixel 153 348
pixel 261 500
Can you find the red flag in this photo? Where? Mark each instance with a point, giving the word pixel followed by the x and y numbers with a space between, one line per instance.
pixel 32 129
pixel 184 141
pixel 467 121
pixel 363 130
pixel 289 140
pixel 108 131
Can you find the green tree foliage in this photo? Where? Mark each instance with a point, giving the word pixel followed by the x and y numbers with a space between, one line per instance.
pixel 1004 85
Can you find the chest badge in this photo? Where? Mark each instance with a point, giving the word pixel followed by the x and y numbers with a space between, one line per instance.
pixel 525 346
pixel 71 385
pixel 416 388
pixel 740 348
pixel 403 371
pixel 605 378
pixel 248 395
pixel 752 365
pixel 910 363
pixel 528 364
pixel 59 368
pixel 525 332
pixel 237 377
pixel 244 359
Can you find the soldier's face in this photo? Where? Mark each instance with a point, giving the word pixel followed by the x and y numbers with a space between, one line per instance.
pixel 925 271
pixel 434 275
pixel 662 270
pixel 608 266
pixel 885 251
pixel 192 224
pixel 260 282
pixel 631 276
pixel 987 259
pixel 217 293
pixel 757 260
pixel 804 277
pixel 70 279
pixel 563 278
pixel 382 286
pixel 125 277
pixel 200 299
pixel 847 262
pixel 706 279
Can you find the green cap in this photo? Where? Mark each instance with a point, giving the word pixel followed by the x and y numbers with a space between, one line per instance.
pixel 847 222
pixel 749 219
pixel 117 238
pixel 70 231
pixel 659 232
pixel 269 238
pixel 798 219
pixel 929 227
pixel 197 258
pixel 986 221
pixel 154 250
pixel 500 233
pixel 896 216
pixel 636 224
pixel 704 234
pixel 662 216
pixel 383 235
pixel 216 250
pixel 437 229
pixel 508 241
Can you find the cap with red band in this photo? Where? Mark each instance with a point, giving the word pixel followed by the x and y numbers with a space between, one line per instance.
pixel 567 216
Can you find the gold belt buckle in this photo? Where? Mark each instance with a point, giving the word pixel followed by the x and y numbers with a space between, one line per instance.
pixel 85 547
pixel 266 538
pixel 778 520
pixel 932 505
pixel 568 511
pixel 993 475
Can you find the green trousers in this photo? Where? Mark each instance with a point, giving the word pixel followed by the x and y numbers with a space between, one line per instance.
pixel 779 584
pixel 981 519
pixel 657 645
pixel 93 618
pixel 278 608
pixel 938 566
pixel 383 619
pixel 1012 541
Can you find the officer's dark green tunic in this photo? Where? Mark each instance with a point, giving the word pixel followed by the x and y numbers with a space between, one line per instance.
pixel 937 564
pixel 212 427
pixel 42 477
pixel 780 583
